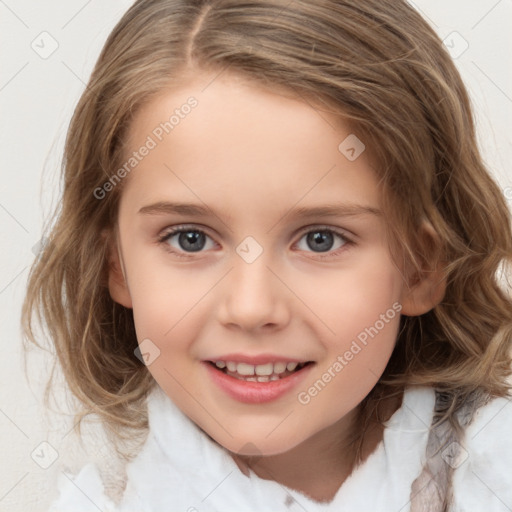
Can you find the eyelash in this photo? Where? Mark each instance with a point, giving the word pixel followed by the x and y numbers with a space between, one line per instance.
pixel 163 239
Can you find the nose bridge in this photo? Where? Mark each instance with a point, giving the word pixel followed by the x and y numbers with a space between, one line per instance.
pixel 253 296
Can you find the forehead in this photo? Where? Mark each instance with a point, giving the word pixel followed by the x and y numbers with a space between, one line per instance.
pixel 227 138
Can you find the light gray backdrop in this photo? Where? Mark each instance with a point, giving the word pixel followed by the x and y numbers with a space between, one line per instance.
pixel 48 51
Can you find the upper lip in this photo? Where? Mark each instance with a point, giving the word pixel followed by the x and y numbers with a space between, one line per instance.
pixel 257 359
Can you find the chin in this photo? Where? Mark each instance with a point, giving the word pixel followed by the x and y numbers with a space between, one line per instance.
pixel 258 446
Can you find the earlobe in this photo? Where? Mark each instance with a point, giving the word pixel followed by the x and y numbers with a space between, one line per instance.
pixel 117 284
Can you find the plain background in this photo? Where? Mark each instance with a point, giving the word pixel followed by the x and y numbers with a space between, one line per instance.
pixel 37 96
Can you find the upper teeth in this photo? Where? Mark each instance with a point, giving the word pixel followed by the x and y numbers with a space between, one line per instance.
pixel 258 369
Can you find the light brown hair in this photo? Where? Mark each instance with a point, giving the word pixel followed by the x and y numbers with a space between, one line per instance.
pixel 375 63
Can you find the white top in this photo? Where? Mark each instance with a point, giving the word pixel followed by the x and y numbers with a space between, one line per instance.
pixel 180 469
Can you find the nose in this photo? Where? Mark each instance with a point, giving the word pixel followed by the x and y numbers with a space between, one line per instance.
pixel 253 297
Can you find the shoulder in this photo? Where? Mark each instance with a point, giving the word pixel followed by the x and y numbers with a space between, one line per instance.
pixel 482 477
pixel 83 492
pixel 491 427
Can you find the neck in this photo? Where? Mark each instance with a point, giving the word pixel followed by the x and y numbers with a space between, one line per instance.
pixel 318 466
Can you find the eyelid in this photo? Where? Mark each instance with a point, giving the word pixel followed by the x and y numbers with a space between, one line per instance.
pixel 345 233
pixel 305 229
pixel 183 227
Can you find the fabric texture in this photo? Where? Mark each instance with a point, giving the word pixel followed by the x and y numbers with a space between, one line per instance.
pixel 181 469
pixel 432 491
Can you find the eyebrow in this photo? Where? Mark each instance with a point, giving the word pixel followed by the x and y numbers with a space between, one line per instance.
pixel 327 210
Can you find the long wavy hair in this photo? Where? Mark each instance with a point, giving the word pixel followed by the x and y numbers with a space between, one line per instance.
pixel 375 63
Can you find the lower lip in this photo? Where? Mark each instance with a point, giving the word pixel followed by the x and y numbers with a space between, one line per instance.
pixel 256 392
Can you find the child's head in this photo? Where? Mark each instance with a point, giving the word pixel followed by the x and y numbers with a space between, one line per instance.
pixel 256 112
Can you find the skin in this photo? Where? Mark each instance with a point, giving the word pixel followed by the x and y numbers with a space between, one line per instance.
pixel 252 155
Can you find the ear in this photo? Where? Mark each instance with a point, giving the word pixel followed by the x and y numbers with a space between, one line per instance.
pixel 425 288
pixel 117 284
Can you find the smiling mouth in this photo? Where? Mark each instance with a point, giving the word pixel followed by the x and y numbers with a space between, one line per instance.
pixel 259 373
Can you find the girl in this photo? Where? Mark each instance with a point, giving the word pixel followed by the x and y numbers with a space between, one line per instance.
pixel 277 259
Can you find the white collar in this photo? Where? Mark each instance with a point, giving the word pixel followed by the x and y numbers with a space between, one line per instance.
pixel 181 468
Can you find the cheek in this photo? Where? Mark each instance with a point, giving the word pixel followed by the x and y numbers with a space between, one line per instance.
pixel 353 367
pixel 372 317
pixel 349 300
pixel 362 311
pixel 162 294
pixel 373 301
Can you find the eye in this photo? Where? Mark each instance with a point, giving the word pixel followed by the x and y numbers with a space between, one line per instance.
pixel 185 239
pixel 323 239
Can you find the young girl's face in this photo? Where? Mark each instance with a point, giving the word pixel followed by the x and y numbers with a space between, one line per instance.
pixel 282 257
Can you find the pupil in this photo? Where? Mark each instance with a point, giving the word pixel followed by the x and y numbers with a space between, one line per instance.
pixel 189 238
pixel 320 240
